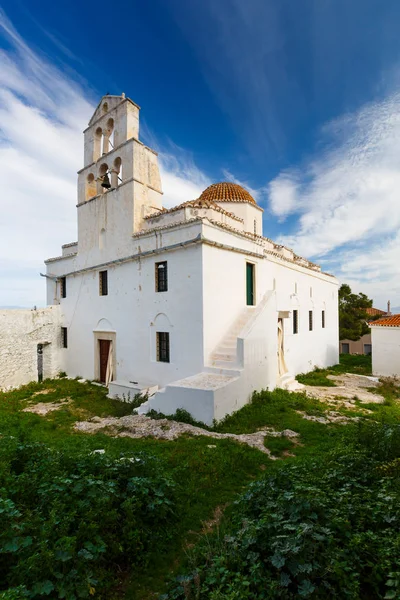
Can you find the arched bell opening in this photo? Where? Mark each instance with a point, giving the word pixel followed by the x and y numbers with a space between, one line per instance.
pixel 116 174
pixel 103 179
pixel 91 188
pixel 98 143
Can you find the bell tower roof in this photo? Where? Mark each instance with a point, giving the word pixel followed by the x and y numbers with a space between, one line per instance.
pixel 107 103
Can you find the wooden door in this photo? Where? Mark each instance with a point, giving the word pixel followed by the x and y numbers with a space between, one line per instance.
pixel 249 284
pixel 104 351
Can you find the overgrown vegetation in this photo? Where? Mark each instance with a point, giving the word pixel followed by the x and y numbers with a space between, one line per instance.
pixel 353 319
pixel 319 528
pixel 71 488
pixel 70 523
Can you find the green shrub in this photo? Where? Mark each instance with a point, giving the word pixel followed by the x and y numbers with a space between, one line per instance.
pixel 68 522
pixel 317 377
pixel 319 528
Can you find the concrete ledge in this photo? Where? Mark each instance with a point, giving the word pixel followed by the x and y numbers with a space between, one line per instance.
pixel 127 390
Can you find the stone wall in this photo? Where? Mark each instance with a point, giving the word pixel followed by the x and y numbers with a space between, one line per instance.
pixel 20 333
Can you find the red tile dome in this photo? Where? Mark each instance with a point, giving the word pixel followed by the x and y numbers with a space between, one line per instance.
pixel 226 191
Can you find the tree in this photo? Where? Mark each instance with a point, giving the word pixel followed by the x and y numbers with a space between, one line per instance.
pixel 352 316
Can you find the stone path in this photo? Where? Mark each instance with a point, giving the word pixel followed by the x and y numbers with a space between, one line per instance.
pixel 349 388
pixel 139 426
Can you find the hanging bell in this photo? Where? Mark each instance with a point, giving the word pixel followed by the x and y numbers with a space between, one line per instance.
pixel 106 182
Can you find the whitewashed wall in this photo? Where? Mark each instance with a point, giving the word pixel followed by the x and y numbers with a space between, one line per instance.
pixel 296 287
pixel 20 333
pixel 385 351
pixel 135 311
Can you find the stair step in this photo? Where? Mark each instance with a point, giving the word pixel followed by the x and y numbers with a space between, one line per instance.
pixel 225 364
pixel 223 356
pixel 227 349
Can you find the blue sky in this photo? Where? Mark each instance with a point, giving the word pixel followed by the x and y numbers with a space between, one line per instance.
pixel 298 101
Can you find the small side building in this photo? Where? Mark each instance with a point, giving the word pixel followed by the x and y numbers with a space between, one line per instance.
pixel 364 344
pixel 386 343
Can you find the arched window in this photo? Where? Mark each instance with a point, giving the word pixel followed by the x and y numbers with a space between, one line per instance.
pixel 102 177
pixel 98 144
pixel 116 178
pixel 91 189
pixel 105 107
pixel 110 135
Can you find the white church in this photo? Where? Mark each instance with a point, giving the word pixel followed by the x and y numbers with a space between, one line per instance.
pixel 191 305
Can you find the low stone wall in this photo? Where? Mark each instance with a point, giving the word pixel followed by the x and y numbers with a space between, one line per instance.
pixel 20 333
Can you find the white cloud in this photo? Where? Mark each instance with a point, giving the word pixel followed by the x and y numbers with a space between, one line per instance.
pixel 181 179
pixel 42 115
pixel 347 199
pixel 283 195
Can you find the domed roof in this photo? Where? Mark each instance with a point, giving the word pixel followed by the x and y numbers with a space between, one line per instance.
pixel 225 191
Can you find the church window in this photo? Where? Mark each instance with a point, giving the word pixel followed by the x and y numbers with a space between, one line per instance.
pixel 103 283
pixel 310 320
pixel 64 337
pixel 323 319
pixel 63 287
pixel 255 227
pixel 163 346
pixel 161 277
pixel 295 321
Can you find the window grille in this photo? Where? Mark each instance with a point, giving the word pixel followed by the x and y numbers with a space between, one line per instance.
pixel 161 277
pixel 64 337
pixel 163 346
pixel 103 283
pixel 310 320
pixel 295 321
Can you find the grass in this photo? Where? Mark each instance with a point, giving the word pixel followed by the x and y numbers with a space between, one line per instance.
pixel 207 478
pixel 349 363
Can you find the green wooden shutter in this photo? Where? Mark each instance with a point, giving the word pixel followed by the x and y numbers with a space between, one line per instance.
pixel 249 284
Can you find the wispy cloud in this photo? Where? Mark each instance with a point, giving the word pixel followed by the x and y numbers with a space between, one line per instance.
pixel 346 198
pixel 42 114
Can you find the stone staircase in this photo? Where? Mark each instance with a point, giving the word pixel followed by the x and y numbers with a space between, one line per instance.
pixel 288 382
pixel 224 356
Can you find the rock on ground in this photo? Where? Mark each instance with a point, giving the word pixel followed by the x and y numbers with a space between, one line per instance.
pixel 139 426
pixel 42 408
pixel 349 388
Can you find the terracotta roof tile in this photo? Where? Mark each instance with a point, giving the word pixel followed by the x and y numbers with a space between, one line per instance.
pixel 392 321
pixel 199 203
pixel 373 312
pixel 226 191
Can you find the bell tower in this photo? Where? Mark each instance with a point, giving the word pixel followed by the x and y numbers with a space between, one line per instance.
pixel 120 182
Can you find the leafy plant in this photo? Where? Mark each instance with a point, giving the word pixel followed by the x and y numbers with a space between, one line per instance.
pixel 313 529
pixel 67 520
